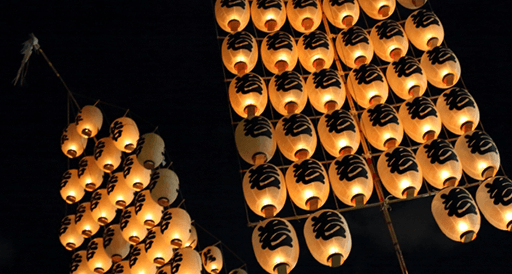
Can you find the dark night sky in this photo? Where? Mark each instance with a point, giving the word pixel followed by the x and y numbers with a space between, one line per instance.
pixel 161 60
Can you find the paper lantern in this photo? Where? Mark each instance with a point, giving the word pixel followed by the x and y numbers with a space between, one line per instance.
pixel 279 52
pixel 150 150
pixel 439 163
pixel 315 51
pixel 456 214
pixel 307 184
pixel 441 67
pixel 406 77
pixel 131 229
pixel 90 175
pixel 192 240
pixel 478 154
pixel 494 200
pixel 248 91
pixel 264 189
pixel 139 262
pixel 102 210
pixel 389 40
pixel 296 136
pixel 147 211
pixel 106 154
pixel 79 263
pixel 122 267
pixel 212 259
pixel 304 15
pixel 275 245
pixel 69 237
pixel 420 119
pixel 381 126
pixel 338 132
pixel 185 261
pixel 176 226
pixel 367 85
pixel 118 191
pixel 239 52
pixel 326 90
pixel 125 133
pixel 424 30
pixel 97 258
pixel 70 189
pixel 287 92
pixel 351 179
pixel 328 237
pixel 135 174
pixel 412 4
pixel 378 9
pixel 254 138
pixel 399 172
pixel 232 15
pixel 342 14
pixel 164 186
pixel 458 110
pixel 88 121
pixel 268 15
pixel 85 224
pixel 114 243
pixel 72 143
pixel 354 46
pixel 156 248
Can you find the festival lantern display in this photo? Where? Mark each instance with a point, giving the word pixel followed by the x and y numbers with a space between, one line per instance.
pixel 367 85
pixel 399 172
pixel 328 237
pixel 124 133
pixel 147 211
pixel 338 132
pixel 354 46
pixel 494 200
pixel 157 250
pixel 406 77
pixel 326 90
pixel 287 92
pixel 232 15
pixel 176 226
pixel 239 52
pixel 115 245
pixel 307 184
pixel 456 214
pixel 296 136
pixel 212 259
pixel 268 15
pixel 85 224
pixel 279 52
pixel 351 179
pixel 150 150
pixel 439 163
pixel 186 261
pixel 389 40
pixel 131 229
pixel 441 67
pixel 119 193
pixel 102 210
pixel 106 155
pixel 382 127
pixel 424 29
pixel 315 51
pixel 139 262
pixel 72 143
pixel 248 93
pixel 164 186
pixel 304 15
pixel 275 245
pixel 412 4
pixel 192 240
pixel 97 258
pixel 478 154
pixel 136 176
pixel 79 263
pixel 378 9
pixel 254 138
pixel 458 110
pixel 420 119
pixel 88 121
pixel 264 189
pixel 69 237
pixel 90 175
pixel 70 189
pixel 342 14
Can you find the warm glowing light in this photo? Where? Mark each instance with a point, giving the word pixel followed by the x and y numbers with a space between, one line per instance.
pixel 356 190
pixel 327 98
pixel 308 194
pixel 249 102
pixel 89 181
pixel 508 216
pixel 426 128
pixel 278 260
pixel 334 250
pixel 119 198
pixel 445 174
pixel 482 165
pixel 71 193
pixel 343 143
pixel 371 94
pixel 463 119
pixel 463 227
pixel 386 136
pixel 149 217
pixel 405 183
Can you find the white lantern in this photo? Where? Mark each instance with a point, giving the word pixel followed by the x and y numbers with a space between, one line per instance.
pixel 157 250
pixel 254 138
pixel 478 154
pixel 287 92
pixel 338 132
pixel 406 77
pixel 389 40
pixel 176 226
pixel 79 263
pixel 69 237
pixel 192 240
pixel 115 245
pixel 441 66
pixel 412 4
pixel 136 176
pixel 125 133
pixel 150 150
pixel 248 90
pixel 420 119
pixel 458 110
pixel 296 136
pixel 102 210
pixel 185 261
pixel 147 211
pixel 212 259
pixel 239 52
pixel 131 229
pixel 84 222
pixel 268 15
pixel 315 51
pixel 139 262
pixel 119 193
pixel 232 15
pixel 354 46
pixel 382 127
pixel 399 172
pixel 279 52
pixel 439 163
pixel 307 184
pixel 424 30
pixel 72 143
pixel 70 189
pixel 494 200
pixel 367 85
pixel 351 179
pixel 107 156
pixel 325 87
pixel 97 259
pixel 304 15
pixel 378 9
pixel 164 186
pixel 88 121
pixel 342 14
pixel 90 174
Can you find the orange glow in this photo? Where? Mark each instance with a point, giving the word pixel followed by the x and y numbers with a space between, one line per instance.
pixel 463 227
pixel 482 165
pixel 356 190
pixel 426 128
pixel 445 174
pixel 343 143
pixel 405 183
pixel 508 216
pixel 308 194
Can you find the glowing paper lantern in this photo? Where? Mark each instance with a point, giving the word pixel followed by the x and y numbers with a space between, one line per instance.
pixel 307 184
pixel 239 52
pixel 478 154
pixel 304 15
pixel 354 46
pixel 254 138
pixel 97 259
pixel 185 261
pixel 115 245
pixel 72 143
pixel 328 237
pixel 192 240
pixel 389 40
pixel 367 85
pixel 69 237
pixel 439 163
pixel 125 133
pixel 150 150
pixel 212 259
pixel 232 15
pixel 287 92
pixel 90 175
pixel 325 90
pixel 458 110
pixel 85 224
pixel 135 174
pixel 493 199
pixel 147 211
pixel 342 14
pixel 296 136
pixel 399 172
pixel 119 193
pixel 412 4
pixel 378 9
pixel 107 156
pixel 441 66
pixel 406 77
pixel 102 210
pixel 420 119
pixel 279 52
pixel 139 262
pixel 338 132
pixel 315 51
pixel 79 263
pixel 157 250
pixel 268 15
pixel 164 186
pixel 70 189
pixel 88 121
pixel 456 214
pixel 275 245
pixel 264 189
pixel 246 91
pixel 351 179
pixel 176 226
pixel 131 229
pixel 122 267
pixel 424 30
pixel 381 126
